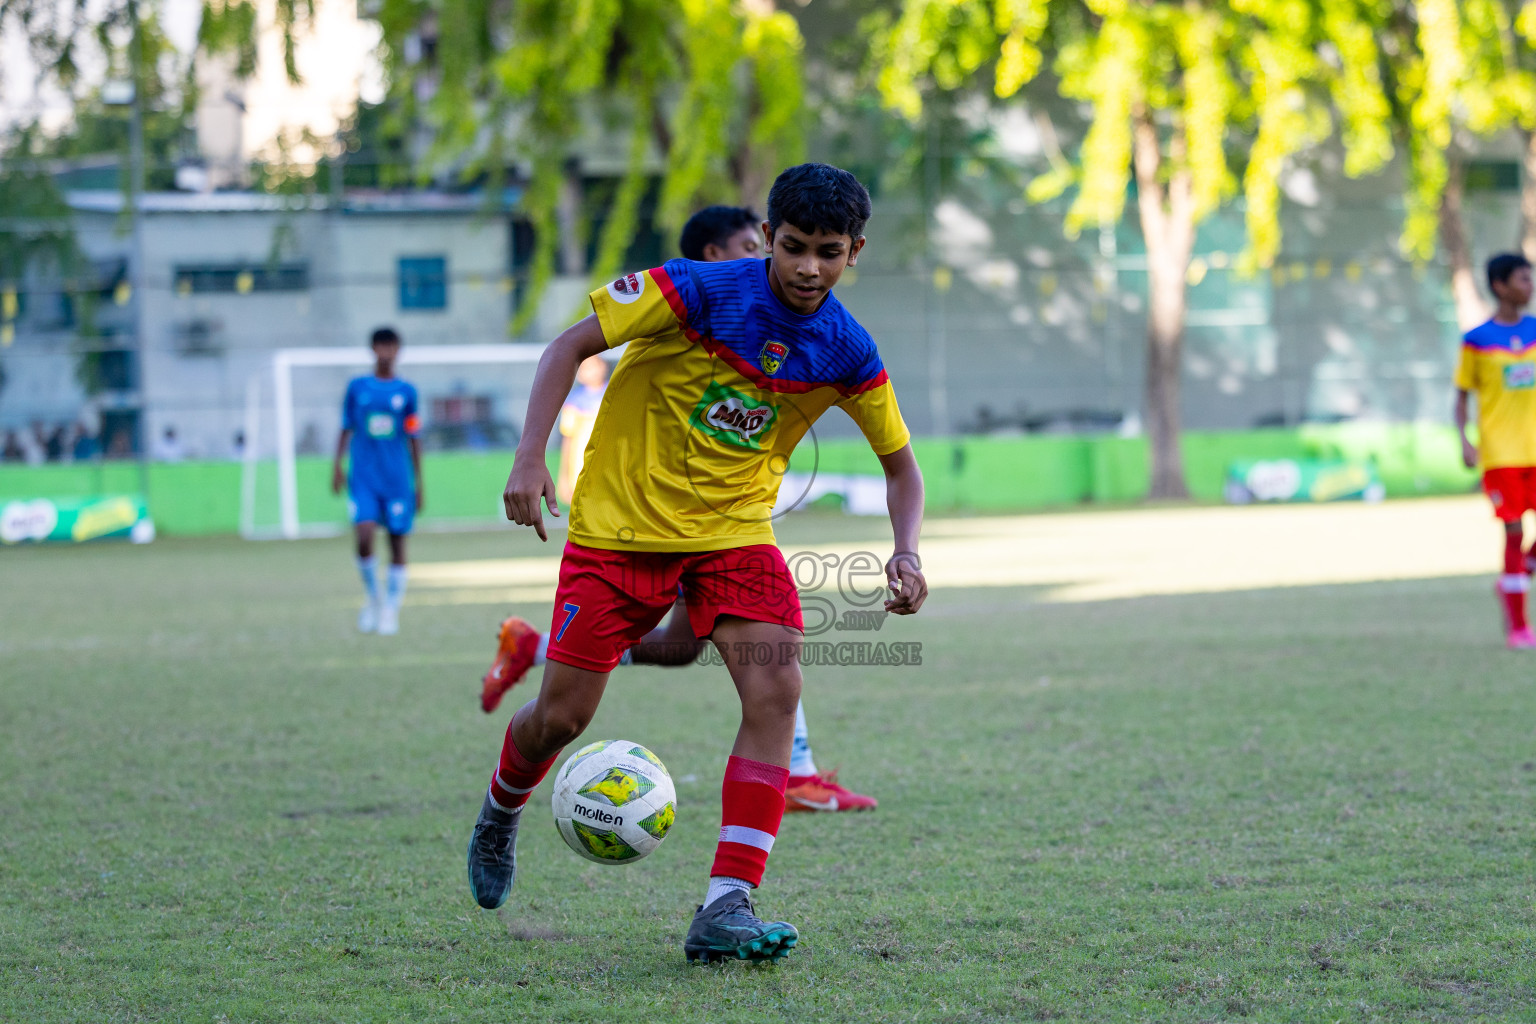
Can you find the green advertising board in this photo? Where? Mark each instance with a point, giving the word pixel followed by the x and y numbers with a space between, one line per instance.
pixel 75 520
pixel 1284 480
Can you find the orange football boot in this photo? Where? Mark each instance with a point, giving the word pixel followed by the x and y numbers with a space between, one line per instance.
pixel 518 643
pixel 821 792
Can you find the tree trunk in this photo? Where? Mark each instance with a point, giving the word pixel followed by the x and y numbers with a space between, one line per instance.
pixel 1470 308
pixel 1168 225
pixel 1528 198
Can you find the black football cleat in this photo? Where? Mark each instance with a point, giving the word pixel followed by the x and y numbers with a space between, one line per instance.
pixel 729 929
pixel 493 855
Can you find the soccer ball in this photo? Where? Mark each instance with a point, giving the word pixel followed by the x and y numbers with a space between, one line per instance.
pixel 614 801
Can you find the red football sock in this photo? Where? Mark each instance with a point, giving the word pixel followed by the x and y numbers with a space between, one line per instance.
pixel 1514 559
pixel 516 776
pixel 1514 583
pixel 752 804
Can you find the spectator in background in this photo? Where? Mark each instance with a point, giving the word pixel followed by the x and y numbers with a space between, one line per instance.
pixel 56 444
pixel 34 444
pixel 577 418
pixel 168 448
pixel 11 451
pixel 238 446
pixel 120 446
pixel 87 445
pixel 309 440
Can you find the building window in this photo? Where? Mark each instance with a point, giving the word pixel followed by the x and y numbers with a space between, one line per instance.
pixel 241 278
pixel 423 282
pixel 1493 176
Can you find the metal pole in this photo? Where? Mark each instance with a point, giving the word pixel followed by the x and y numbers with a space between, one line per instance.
pixel 934 307
pixel 136 275
pixel 248 465
pixel 287 469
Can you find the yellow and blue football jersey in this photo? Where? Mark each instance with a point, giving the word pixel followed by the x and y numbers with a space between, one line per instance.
pixel 719 383
pixel 1498 365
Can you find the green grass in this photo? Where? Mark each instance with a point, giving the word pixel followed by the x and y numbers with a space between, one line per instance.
pixel 218 803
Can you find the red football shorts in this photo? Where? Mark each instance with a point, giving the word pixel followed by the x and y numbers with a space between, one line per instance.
pixel 1512 489
pixel 608 600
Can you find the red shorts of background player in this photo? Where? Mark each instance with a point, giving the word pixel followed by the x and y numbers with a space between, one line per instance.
pixel 608 600
pixel 1512 489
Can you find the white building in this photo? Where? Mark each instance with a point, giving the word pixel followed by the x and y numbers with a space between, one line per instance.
pixel 227 278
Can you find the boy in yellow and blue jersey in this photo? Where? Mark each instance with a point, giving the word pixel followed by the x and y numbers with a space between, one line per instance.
pixel 728 365
pixel 1498 365
pixel 715 234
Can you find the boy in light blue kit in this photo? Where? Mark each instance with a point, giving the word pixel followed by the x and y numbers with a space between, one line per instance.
pixel 379 424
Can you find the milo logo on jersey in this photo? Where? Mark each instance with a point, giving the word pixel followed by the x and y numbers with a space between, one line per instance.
pixel 1520 376
pixel 730 416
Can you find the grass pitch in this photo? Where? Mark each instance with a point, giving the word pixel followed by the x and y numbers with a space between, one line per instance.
pixel 220 803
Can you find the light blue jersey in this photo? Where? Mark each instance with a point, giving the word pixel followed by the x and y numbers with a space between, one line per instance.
pixel 382 415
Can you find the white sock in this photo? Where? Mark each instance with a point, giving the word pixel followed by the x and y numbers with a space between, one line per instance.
pixel 510 812
pixel 541 650
pixel 365 569
pixel 395 588
pixel 800 760
pixel 719 885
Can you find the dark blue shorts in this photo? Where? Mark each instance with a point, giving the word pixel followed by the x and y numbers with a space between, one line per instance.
pixel 394 512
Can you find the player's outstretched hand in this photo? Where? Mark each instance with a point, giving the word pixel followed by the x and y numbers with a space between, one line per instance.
pixel 528 483
pixel 909 588
pixel 1468 453
pixel 338 477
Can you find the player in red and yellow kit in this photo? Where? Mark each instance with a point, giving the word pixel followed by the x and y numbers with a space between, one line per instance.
pixel 716 234
pixel 728 365
pixel 1498 364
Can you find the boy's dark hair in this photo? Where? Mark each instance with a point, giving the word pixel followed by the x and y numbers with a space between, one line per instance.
pixel 821 197
pixel 1504 264
pixel 384 336
pixel 713 225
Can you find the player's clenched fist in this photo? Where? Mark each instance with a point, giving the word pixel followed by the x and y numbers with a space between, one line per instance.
pixel 909 587
pixel 526 484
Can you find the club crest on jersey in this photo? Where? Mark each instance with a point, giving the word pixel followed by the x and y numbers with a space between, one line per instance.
pixel 627 288
pixel 730 416
pixel 772 356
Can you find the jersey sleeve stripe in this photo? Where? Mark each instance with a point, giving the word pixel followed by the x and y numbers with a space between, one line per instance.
pixel 669 292
pixel 869 385
pixel 1497 346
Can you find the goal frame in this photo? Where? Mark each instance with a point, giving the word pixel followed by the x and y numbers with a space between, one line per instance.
pixel 285 361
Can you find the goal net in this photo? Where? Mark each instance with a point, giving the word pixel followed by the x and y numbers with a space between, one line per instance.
pixel 471 402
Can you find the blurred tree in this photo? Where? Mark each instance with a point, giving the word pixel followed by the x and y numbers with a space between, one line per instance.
pixel 35 231
pixel 1179 93
pixel 1461 69
pixel 126 39
pixel 710 88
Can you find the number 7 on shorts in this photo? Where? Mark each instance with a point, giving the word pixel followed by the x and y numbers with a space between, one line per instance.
pixel 570 613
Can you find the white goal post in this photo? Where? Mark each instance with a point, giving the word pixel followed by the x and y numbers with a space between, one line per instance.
pixel 285 360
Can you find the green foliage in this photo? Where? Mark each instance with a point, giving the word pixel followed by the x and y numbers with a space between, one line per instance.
pixel 230 28
pixel 1462 65
pixel 35 231
pixel 1258 81
pixel 704 90
pixel 35 228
